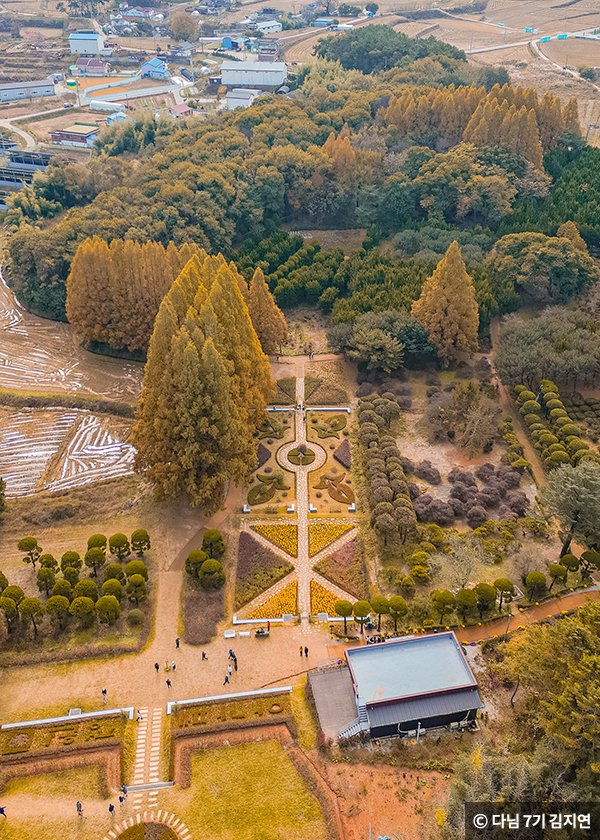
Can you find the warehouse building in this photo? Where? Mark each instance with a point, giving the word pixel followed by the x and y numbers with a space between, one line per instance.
pixel 241 98
pixel 26 90
pixel 266 27
pixel 88 42
pixel 263 74
pixel 399 688
pixel 78 134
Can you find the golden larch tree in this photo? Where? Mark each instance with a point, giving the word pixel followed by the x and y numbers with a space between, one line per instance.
pixel 267 318
pixel 447 307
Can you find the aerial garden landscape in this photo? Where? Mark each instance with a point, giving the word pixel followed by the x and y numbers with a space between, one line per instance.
pixel 188 539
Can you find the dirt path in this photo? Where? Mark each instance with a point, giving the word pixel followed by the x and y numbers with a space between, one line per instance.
pixel 508 406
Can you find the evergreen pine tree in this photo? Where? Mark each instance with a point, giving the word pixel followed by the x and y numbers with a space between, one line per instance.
pixel 447 307
pixel 267 318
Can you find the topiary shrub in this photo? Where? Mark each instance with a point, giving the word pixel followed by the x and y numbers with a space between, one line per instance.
pixel 457 475
pixel 427 472
pixel 476 516
pixel 531 420
pixel 530 407
pixel 135 618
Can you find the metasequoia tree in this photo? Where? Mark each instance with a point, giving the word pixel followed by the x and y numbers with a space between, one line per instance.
pixel 113 293
pixel 206 386
pixel 447 307
pixel 267 317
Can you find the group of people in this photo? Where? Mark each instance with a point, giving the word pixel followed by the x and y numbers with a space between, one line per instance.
pixel 232 658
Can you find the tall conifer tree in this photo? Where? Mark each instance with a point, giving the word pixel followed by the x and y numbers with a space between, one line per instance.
pixel 447 307
pixel 267 319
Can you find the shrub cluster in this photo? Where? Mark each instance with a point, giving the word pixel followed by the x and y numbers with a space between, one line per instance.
pixel 392 512
pixel 557 438
pixel 470 502
pixel 69 597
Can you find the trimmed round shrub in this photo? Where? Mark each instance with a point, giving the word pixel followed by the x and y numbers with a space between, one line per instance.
pixel 135 618
pixel 530 406
pixel 440 513
pixel 517 501
pixel 548 385
pixel 547 438
pixel 529 420
pixel 476 516
pixel 506 513
pixel 485 472
pixel 556 459
pixel 427 472
pixel 407 465
pixel 457 475
pixel 577 443
pixel 562 421
pixel 458 507
pixel 553 403
pixel 136 567
pixel 556 447
pixel 518 389
pixel 413 490
pixel 558 412
pixel 524 396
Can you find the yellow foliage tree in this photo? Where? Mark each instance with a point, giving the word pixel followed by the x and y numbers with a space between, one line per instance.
pixel 267 319
pixel 447 307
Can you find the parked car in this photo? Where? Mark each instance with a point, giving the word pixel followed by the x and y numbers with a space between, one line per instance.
pixel 68 105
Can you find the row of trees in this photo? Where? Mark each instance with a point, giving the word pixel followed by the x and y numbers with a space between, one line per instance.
pixel 213 183
pixel 205 563
pixel 114 292
pixel 206 386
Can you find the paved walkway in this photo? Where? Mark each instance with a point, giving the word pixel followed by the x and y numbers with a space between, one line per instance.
pixel 303 563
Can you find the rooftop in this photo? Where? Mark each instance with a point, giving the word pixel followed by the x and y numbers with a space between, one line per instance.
pixel 259 66
pixel 85 36
pixel 13 85
pixel 243 93
pixel 80 128
pixel 410 667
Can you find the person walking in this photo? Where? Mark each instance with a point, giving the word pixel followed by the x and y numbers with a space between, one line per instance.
pixel 268 626
pixel 124 789
pixel 306 651
pixel 156 667
pixel 229 670
pixel 173 665
pixel 204 657
pixel 177 643
pixel 235 662
pixel 139 715
pixel 121 800
pixel 226 679
pixel 80 810
pixel 111 809
pixel 3 812
pixel 301 650
pixel 104 696
pixel 168 683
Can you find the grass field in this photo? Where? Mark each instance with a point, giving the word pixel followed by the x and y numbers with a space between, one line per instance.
pixel 43 807
pixel 246 792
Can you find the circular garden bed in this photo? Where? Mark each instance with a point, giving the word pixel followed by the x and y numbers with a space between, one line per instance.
pixel 301 456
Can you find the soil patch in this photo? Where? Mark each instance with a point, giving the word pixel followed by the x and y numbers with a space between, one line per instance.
pixel 202 612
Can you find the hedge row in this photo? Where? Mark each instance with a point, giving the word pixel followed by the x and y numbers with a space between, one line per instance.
pixel 556 437
pixel 392 511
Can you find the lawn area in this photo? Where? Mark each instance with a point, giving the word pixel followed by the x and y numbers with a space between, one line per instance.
pixel 246 792
pixel 42 807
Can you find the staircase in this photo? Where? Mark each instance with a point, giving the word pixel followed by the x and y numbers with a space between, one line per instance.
pixel 359 724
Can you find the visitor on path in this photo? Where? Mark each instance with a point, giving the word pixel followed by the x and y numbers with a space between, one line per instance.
pixel 235 662
pixel 80 810
pixel 167 666
pixel 229 670
pixel 173 665
pixel 124 789
pixel 104 696
pixel 301 650
pixel 2 812
pixel 111 809
pixel 139 715
pixel 204 657
pixel 226 679
pixel 268 625
pixel 121 800
pixel 177 643
pixel 231 654
pixel 306 651
pixel 168 683
pixel 156 667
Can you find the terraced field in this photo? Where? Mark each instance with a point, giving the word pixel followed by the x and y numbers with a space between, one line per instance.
pixel 58 448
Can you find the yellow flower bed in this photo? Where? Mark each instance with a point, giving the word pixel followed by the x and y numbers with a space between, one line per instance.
pixel 321 599
pixel 284 536
pixel 321 534
pixel 285 601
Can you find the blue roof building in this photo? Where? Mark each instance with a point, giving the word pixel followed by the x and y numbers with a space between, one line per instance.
pixel 155 68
